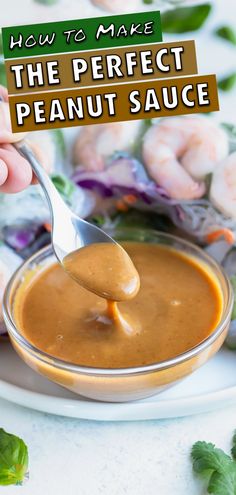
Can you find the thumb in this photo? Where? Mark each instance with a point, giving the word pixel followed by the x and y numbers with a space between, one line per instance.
pixel 6 135
pixel 3 172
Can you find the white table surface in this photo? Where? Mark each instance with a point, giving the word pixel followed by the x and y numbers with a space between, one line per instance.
pixel 70 457
pixel 73 457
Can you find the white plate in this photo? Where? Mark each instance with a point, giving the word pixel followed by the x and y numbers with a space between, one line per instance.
pixel 211 387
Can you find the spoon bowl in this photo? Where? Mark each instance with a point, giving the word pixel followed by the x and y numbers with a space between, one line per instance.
pixel 69 232
pixel 107 269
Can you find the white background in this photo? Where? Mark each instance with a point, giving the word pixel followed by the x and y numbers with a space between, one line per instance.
pixel 72 457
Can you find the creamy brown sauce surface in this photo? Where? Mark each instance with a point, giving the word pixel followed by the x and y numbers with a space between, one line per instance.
pixel 178 306
pixel 104 268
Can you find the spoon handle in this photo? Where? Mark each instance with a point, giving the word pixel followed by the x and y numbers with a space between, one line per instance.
pixel 53 197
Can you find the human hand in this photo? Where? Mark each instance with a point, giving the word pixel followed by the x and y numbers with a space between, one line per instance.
pixel 15 172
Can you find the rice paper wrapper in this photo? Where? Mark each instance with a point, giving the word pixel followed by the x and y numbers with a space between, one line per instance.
pixel 9 262
pixel 30 205
pixel 126 175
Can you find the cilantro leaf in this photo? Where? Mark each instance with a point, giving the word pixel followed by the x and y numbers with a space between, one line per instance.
pixel 233 450
pixel 207 457
pixel 185 19
pixel 228 82
pixel 231 129
pixel 59 141
pixel 227 33
pixel 13 459
pixel 3 77
pixel 64 185
pixel 233 282
pixel 219 467
pixel 1 47
pixel 223 483
pixel 46 2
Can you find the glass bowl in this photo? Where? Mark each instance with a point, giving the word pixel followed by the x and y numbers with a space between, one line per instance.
pixel 125 384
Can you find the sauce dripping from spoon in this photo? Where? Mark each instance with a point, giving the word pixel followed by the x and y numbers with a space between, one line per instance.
pixel 107 270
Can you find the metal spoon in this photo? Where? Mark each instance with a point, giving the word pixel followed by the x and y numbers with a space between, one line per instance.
pixel 69 232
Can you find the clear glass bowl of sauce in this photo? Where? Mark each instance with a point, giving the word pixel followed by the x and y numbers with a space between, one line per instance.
pixel 135 366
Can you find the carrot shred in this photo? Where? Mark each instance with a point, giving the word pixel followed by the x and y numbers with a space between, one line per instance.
pixel 121 206
pixel 48 227
pixel 130 199
pixel 227 234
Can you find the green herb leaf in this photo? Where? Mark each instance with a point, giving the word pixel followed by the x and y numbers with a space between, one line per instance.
pixel 227 83
pixel 206 457
pixel 233 282
pixel 13 459
pixel 148 2
pixel 146 123
pixel 59 140
pixel 1 45
pixel 233 450
pixel 64 185
pixel 185 19
pixel 223 483
pixel 46 2
pixel 138 144
pixel 98 220
pixel 227 33
pixel 230 128
pixel 142 220
pixel 3 77
pixel 231 131
pixel 217 466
